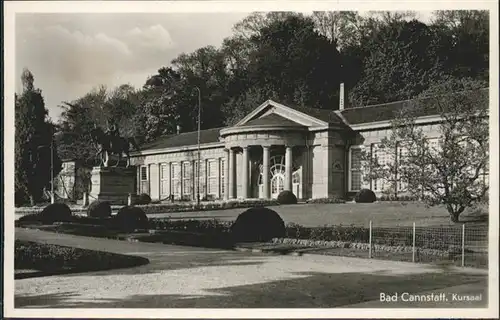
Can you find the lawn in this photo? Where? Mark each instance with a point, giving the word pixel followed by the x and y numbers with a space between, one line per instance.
pixel 382 214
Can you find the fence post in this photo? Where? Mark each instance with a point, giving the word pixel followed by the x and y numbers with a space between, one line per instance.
pixel 463 245
pixel 413 248
pixel 370 241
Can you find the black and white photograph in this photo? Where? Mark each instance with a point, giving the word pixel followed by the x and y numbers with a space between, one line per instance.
pixel 254 159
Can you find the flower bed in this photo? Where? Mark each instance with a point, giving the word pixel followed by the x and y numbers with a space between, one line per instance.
pixel 49 259
pixel 204 206
pixel 204 226
pixel 326 200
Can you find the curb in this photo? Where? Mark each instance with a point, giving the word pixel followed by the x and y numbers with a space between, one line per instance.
pixel 269 251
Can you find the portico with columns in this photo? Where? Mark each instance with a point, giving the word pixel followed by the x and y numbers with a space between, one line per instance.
pixel 274 148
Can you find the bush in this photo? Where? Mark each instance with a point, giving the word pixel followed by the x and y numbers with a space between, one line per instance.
pixel 258 225
pixel 56 212
pixel 130 218
pixel 287 197
pixel 143 199
pixel 365 196
pixel 99 209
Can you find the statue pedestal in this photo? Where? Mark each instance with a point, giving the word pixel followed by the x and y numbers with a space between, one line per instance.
pixel 112 184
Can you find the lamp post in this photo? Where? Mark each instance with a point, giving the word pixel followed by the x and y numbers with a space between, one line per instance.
pixel 52 196
pixel 199 153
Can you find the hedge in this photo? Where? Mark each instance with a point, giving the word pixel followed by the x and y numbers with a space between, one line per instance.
pixel 173 207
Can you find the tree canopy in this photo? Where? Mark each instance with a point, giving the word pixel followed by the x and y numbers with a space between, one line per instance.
pixel 33 141
pixel 293 58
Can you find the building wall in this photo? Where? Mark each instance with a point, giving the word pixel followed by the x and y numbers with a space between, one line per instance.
pixel 370 138
pixel 65 181
pixel 325 165
pixel 159 181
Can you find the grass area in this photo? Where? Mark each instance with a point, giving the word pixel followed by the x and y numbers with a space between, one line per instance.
pixel 33 259
pixel 385 214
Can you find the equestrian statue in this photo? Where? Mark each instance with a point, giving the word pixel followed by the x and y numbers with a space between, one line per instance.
pixel 110 142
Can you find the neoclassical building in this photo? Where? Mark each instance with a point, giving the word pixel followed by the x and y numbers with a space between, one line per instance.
pixel 315 153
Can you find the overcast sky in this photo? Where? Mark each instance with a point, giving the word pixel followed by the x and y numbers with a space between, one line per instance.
pixel 71 53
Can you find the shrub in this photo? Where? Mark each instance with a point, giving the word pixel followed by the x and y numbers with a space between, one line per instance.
pixel 365 196
pixel 130 218
pixel 99 209
pixel 143 199
pixel 287 197
pixel 56 212
pixel 258 225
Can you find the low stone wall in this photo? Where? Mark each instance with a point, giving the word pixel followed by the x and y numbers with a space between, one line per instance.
pixel 361 246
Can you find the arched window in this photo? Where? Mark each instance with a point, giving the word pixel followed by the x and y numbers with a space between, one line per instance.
pixel 277 167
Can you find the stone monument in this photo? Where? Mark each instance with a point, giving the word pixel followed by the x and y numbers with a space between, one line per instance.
pixel 112 183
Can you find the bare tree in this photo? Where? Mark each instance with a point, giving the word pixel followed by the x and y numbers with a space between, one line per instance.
pixel 449 169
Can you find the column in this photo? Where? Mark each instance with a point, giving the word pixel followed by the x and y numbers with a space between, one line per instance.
pixel 265 171
pixel 244 179
pixel 226 175
pixel 193 180
pixel 288 168
pixel 232 174
pixel 170 189
pixel 159 181
pixel 205 177
pixel 219 195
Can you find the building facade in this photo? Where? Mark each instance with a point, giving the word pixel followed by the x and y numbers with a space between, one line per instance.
pixel 314 153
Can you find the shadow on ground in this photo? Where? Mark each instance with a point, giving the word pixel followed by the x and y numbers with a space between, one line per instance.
pixel 170 261
pixel 310 290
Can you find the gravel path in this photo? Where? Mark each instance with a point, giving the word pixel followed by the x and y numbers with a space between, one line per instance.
pixel 192 277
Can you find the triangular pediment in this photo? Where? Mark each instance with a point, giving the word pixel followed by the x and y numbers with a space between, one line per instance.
pixel 271 112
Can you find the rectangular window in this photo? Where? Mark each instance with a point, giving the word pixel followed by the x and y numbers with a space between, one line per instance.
pixel 175 180
pixel 379 159
pixel 164 179
pixel 402 154
pixel 186 178
pixel 222 173
pixel 202 176
pixel 144 173
pixel 212 177
pixel 355 169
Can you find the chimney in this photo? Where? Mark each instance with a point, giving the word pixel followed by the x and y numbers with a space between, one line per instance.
pixel 178 129
pixel 341 97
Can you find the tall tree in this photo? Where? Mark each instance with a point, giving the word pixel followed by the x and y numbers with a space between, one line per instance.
pixel 405 58
pixel 33 141
pixel 298 64
pixel 344 28
pixel 469 31
pixel 204 69
pixel 159 113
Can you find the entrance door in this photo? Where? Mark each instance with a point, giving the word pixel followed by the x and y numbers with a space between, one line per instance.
pixel 277 185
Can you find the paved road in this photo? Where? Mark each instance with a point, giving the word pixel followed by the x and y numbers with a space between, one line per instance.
pixel 188 277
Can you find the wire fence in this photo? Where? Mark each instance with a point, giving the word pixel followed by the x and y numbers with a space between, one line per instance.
pixel 462 245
